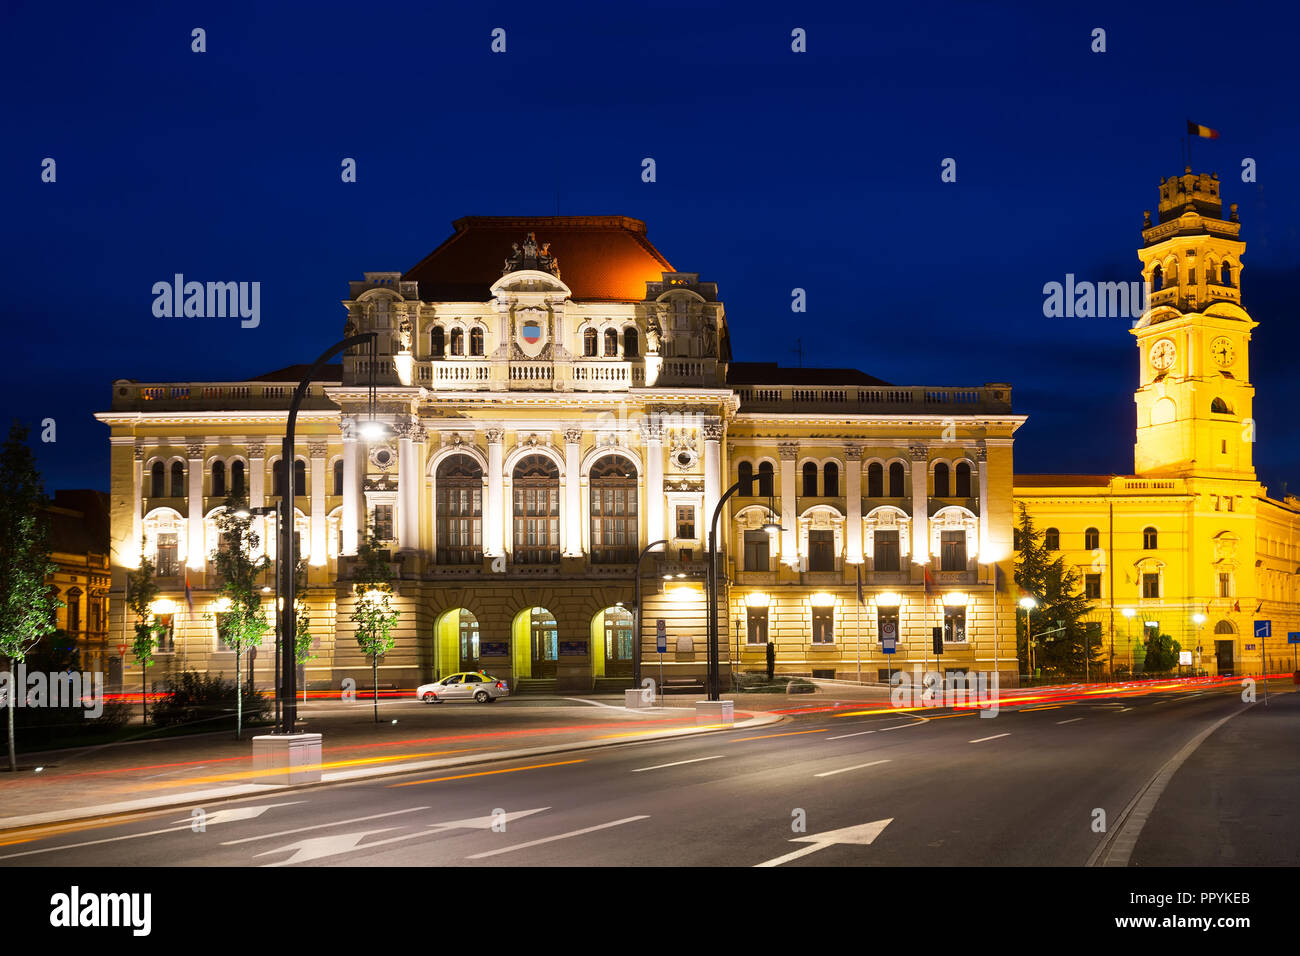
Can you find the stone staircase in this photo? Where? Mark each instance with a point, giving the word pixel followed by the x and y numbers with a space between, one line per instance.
pixel 535 685
pixel 612 685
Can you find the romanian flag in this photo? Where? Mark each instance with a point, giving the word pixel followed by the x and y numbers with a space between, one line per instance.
pixel 929 582
pixel 861 598
pixel 189 595
pixel 1195 129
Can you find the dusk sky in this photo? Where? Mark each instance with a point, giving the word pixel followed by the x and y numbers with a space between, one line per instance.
pixel 775 170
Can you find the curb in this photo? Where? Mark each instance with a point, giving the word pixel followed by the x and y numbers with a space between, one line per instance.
pixel 242 791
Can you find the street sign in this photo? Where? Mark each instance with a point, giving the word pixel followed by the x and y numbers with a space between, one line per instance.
pixel 1263 628
pixel 1184 658
pixel 121 649
pixel 661 635
pixel 1293 637
pixel 887 645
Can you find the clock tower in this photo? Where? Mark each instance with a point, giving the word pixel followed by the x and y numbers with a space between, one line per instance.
pixel 1194 398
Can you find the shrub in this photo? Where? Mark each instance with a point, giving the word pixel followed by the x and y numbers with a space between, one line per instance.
pixel 195 698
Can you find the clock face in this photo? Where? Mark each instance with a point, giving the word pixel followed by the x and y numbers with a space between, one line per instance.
pixel 1221 349
pixel 1162 355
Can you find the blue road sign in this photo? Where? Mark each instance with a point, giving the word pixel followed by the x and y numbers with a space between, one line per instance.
pixel 1293 637
pixel 1263 628
pixel 887 646
pixel 661 635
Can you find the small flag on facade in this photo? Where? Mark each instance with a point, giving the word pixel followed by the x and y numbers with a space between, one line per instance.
pixel 929 584
pixel 189 595
pixel 1195 129
pixel 861 598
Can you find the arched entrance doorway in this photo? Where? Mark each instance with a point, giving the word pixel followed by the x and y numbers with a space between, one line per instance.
pixel 458 643
pixel 536 639
pixel 1225 635
pixel 612 631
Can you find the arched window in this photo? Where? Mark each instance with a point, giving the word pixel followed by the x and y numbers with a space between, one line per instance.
pixel 218 479
pixel 896 479
pixel 589 342
pixel 476 342
pixel 631 343
pixel 941 489
pixel 178 480
pixel 875 480
pixel 237 478
pixel 1224 627
pixel 157 484
pixel 613 511
pixel 1157 278
pixel 611 343
pixel 745 472
pixel 438 342
pixel 1220 407
pixel 1052 539
pixel 1225 274
pixel 299 477
pixel 1149 538
pixel 963 480
pixel 766 480
pixel 277 479
pixel 1091 539
pixel 338 477
pixel 457 341
pixel 537 511
pixel 809 479
pixel 459 510
pixel 831 480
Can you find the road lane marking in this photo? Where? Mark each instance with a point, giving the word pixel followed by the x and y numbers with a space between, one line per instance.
pixel 1122 711
pixel 559 836
pixel 864 834
pixel 484 773
pixel 1070 721
pixel 861 766
pixel 679 763
pixel 1033 710
pixel 321 826
pixel 981 740
pixel 790 733
pixel 858 734
pixel 916 723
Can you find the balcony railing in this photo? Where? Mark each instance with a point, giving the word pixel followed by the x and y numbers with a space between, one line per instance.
pixel 456 374
pixel 884 399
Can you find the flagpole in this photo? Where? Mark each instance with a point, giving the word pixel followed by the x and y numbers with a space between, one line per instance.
pixel 857 622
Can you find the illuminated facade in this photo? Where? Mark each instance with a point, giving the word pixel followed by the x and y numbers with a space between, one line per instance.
pixel 549 417
pixel 1190 544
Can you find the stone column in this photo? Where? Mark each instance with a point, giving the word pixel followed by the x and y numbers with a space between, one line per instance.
pixel 981 458
pixel 255 476
pixel 137 500
pixel 853 491
pixel 920 504
pixel 408 486
pixel 197 553
pixel 572 508
pixel 317 450
pixel 712 479
pixel 352 476
pixel 654 481
pixel 494 503
pixel 789 452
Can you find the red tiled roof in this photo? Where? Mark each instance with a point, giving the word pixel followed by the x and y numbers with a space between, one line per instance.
pixel 601 258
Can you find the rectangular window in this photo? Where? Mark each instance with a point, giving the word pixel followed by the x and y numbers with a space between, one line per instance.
pixel 222 644
pixel 167 565
pixel 823 625
pixel 821 550
pixel 1225 584
pixel 886 624
pixel 166 638
pixel 757 547
pixel 952 550
pixel 383 523
pixel 1151 585
pixel 886 551
pixel 1230 499
pixel 1092 587
pixel 756 625
pixel 686 522
pixel 954 625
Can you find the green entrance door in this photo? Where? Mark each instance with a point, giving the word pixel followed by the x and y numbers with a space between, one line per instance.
pixel 545 642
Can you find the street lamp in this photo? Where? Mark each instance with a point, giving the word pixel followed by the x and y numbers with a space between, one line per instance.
pixel 1028 603
pixel 636 603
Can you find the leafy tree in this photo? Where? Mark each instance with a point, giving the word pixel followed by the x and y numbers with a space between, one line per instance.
pixel 243 623
pixel 1162 654
pixel 1062 639
pixel 27 603
pixel 374 615
pixel 142 590
pixel 302 621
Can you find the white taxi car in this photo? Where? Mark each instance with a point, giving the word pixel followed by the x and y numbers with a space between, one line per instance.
pixel 467 685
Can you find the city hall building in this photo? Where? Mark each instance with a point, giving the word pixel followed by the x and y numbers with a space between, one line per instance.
pixel 559 398
pixel 1190 544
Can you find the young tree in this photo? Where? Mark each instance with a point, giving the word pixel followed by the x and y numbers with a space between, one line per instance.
pixel 302 621
pixel 142 590
pixel 374 615
pixel 27 603
pixel 1162 654
pixel 1062 640
pixel 243 622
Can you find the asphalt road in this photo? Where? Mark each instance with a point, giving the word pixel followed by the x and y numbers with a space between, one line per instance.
pixel 952 788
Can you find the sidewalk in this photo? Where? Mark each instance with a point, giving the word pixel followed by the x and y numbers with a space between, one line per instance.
pixel 140 775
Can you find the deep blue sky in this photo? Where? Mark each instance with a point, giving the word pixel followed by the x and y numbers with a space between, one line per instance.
pixel 775 170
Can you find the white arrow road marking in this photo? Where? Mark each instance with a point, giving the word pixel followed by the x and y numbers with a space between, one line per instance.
pixel 980 740
pixel 831 773
pixel 321 826
pixel 216 816
pixel 560 836
pixel 677 764
pixel 319 847
pixel 863 834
